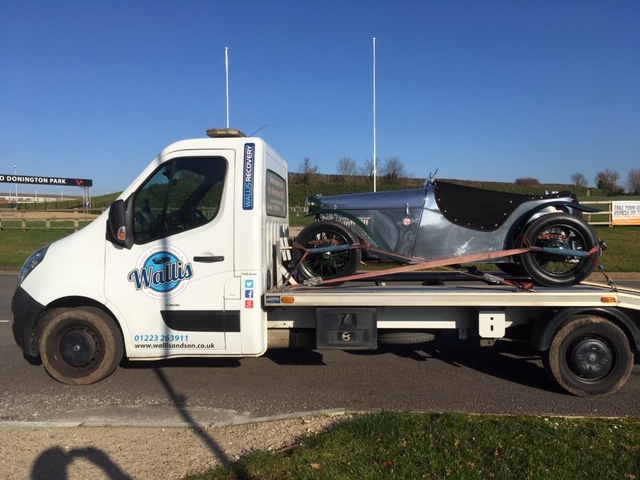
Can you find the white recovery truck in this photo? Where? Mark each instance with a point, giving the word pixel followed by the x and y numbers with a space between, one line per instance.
pixel 187 262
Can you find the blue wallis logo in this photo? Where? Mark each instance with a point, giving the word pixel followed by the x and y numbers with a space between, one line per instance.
pixel 161 272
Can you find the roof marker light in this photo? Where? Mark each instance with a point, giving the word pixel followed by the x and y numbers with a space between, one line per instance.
pixel 224 133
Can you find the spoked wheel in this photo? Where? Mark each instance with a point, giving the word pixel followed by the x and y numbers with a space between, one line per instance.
pixel 559 231
pixel 330 264
pixel 589 356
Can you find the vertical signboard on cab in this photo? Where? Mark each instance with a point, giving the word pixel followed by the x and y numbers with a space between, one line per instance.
pixel 248 175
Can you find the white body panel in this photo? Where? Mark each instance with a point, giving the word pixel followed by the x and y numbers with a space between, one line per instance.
pixel 73 267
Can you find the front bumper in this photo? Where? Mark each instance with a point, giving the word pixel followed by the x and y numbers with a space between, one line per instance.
pixel 26 312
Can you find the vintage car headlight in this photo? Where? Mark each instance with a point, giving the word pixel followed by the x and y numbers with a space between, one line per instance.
pixel 312 204
pixel 32 262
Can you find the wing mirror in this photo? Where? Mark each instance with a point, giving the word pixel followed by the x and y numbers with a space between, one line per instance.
pixel 118 231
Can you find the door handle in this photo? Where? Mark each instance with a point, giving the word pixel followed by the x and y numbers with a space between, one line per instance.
pixel 209 259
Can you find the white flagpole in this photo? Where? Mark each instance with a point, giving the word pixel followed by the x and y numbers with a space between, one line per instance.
pixel 375 159
pixel 226 64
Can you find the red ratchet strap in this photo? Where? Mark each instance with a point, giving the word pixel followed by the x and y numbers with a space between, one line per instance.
pixel 610 282
pixel 486 277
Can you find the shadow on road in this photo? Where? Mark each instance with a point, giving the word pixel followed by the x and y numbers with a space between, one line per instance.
pixel 180 363
pixel 510 361
pixel 295 356
pixel 179 402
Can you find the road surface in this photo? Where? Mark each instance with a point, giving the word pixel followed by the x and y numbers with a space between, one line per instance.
pixel 444 375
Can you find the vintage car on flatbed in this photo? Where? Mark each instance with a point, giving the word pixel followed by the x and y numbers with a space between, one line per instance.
pixel 448 220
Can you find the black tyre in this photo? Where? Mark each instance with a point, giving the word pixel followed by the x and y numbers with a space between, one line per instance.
pixel 589 356
pixel 560 231
pixel 80 346
pixel 328 265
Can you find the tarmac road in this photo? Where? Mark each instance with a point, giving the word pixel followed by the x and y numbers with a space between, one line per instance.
pixel 444 375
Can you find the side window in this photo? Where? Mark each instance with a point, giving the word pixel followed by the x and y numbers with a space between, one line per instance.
pixel 179 196
pixel 276 195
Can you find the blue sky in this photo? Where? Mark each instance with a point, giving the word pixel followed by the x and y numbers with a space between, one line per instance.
pixel 481 90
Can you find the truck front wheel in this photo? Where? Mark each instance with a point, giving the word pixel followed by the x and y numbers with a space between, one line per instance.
pixel 80 346
pixel 589 356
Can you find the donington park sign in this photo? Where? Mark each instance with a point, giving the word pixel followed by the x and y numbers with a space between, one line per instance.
pixel 57 181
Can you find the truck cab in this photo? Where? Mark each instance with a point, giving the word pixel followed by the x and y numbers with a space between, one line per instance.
pixel 176 267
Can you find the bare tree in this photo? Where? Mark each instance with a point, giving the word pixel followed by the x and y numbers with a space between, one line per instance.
pixel 607 180
pixel 308 170
pixel 579 180
pixel 348 168
pixel 633 181
pixel 367 168
pixel 393 169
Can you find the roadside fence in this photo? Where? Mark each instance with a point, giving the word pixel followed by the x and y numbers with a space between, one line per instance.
pixel 11 219
pixel 75 219
pixel 604 217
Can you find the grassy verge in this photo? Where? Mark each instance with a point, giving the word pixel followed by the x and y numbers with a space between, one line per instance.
pixel 435 446
pixel 623 248
pixel 17 245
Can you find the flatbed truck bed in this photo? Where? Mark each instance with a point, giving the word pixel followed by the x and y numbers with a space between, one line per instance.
pixel 584 333
pixel 585 294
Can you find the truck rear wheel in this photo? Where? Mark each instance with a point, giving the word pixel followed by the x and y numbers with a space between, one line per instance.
pixel 589 356
pixel 80 346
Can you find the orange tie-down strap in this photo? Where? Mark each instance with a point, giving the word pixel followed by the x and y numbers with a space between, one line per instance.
pixel 426 264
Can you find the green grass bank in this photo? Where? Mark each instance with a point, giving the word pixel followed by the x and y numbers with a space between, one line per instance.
pixel 405 446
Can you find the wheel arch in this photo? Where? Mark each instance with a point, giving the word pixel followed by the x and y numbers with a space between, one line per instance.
pixel 62 304
pixel 544 331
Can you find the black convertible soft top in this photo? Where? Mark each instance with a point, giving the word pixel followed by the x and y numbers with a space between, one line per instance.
pixel 481 209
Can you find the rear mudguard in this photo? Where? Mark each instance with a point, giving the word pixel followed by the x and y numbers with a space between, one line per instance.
pixel 519 226
pixel 543 331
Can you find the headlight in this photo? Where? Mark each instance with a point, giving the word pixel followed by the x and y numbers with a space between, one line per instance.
pixel 312 204
pixel 32 262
